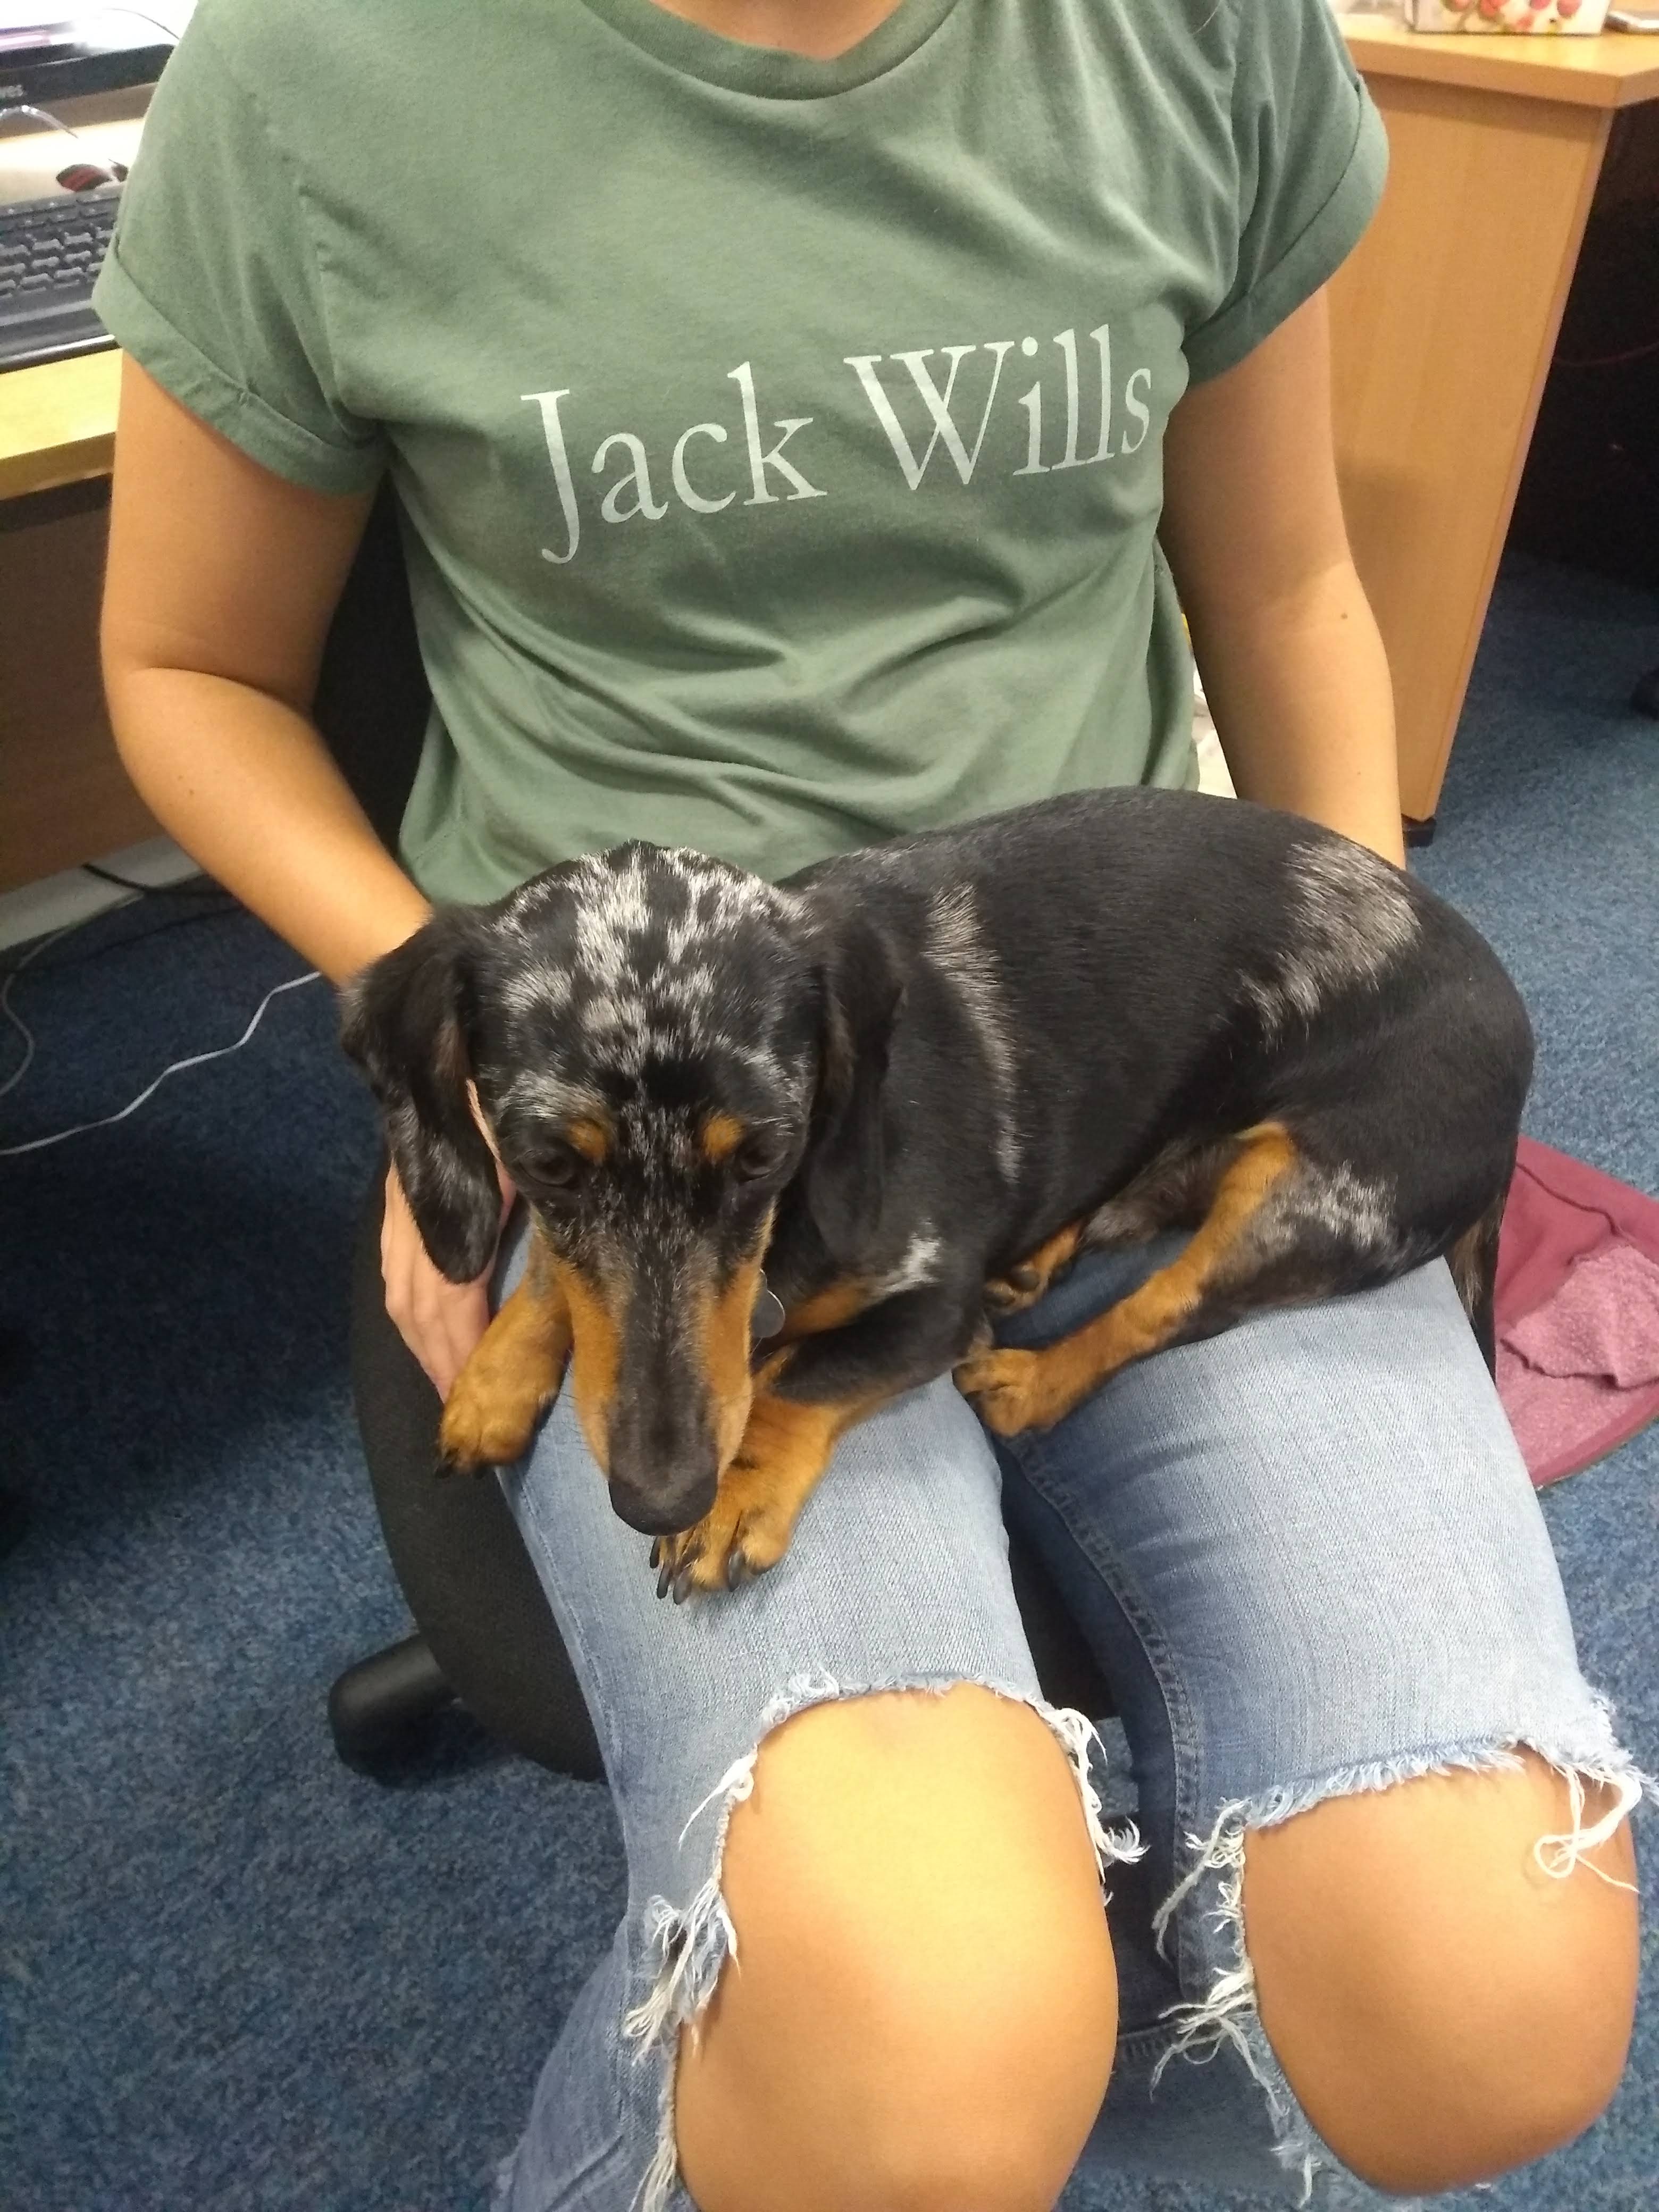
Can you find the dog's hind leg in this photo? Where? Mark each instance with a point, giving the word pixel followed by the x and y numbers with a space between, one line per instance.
pixel 1202 1292
pixel 1175 1189
pixel 513 1376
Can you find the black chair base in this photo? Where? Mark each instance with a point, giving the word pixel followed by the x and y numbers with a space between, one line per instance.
pixel 381 1711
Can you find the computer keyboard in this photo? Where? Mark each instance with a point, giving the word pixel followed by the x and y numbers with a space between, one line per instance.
pixel 49 252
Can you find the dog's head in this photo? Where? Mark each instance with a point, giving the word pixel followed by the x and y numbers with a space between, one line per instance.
pixel 659 1045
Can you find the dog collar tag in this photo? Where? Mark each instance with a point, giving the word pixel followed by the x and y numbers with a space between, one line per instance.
pixel 767 1317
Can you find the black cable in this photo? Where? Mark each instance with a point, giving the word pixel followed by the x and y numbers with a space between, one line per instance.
pixel 196 886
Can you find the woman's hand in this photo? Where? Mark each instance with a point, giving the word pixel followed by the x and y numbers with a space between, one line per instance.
pixel 441 1321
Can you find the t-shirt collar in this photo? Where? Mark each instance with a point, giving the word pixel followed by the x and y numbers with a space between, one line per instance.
pixel 764 71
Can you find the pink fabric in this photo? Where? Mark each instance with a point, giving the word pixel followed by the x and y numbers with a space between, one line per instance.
pixel 1578 1312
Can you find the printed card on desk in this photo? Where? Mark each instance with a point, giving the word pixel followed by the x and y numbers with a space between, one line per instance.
pixel 1555 18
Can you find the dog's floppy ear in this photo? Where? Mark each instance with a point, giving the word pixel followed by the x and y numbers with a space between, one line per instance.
pixel 860 986
pixel 402 1020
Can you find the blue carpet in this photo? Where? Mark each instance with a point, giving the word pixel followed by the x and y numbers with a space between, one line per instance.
pixel 235 1977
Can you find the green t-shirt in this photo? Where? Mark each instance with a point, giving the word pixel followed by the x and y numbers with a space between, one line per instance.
pixel 780 441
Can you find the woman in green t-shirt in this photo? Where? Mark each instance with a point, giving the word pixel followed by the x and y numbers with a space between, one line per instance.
pixel 805 414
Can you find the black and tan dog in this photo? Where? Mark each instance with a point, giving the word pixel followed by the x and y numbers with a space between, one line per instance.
pixel 912 1082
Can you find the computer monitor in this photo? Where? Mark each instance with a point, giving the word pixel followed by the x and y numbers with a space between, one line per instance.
pixel 94 49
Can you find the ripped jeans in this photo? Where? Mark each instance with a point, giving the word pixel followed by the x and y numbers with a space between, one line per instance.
pixel 1309 1560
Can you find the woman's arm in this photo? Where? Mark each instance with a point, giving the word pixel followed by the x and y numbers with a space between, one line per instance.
pixel 223 579
pixel 1292 665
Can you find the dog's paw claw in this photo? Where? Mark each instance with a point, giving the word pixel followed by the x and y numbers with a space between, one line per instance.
pixel 731 1547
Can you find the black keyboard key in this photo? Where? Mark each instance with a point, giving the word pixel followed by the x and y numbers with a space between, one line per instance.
pixel 49 253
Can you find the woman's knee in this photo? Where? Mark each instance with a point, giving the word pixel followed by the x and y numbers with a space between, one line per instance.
pixel 1443 2007
pixel 922 2007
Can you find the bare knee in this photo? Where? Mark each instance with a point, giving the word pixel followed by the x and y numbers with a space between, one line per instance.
pixel 921 2014
pixel 1443 2008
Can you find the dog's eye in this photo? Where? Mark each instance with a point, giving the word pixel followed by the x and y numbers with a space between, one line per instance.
pixel 557 1167
pixel 761 1153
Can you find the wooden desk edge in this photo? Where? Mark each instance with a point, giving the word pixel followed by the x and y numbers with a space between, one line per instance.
pixel 1617 70
pixel 58 422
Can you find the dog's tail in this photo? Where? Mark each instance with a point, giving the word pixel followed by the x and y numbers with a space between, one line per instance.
pixel 1473 1259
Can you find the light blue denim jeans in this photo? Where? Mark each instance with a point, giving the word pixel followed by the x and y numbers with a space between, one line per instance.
pixel 1310 1562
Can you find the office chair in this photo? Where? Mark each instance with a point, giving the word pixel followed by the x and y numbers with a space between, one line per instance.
pixel 484 1634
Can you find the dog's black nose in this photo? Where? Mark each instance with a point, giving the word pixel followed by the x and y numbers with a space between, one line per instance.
pixel 659 1512
pixel 663 1461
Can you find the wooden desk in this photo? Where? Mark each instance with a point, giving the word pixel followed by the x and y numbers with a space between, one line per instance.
pixel 1444 321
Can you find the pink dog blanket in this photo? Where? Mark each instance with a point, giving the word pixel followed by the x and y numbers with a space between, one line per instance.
pixel 1578 1312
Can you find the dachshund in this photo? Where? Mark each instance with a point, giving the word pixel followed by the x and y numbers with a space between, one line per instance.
pixel 784 1146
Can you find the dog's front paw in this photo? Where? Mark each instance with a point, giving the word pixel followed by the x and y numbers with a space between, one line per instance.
pixel 744 1535
pixel 1007 1388
pixel 483 1428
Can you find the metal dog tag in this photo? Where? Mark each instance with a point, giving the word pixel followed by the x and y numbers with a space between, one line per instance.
pixel 767 1316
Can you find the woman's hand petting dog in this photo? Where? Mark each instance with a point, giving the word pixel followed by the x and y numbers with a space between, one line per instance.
pixel 441 1321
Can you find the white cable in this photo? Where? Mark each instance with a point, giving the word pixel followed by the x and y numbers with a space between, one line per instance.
pixel 196 1059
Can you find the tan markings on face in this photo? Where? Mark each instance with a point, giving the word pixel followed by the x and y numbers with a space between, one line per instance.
pixel 478 1116
pixel 595 1329
pixel 590 1136
pixel 719 1137
pixel 723 1325
pixel 829 1308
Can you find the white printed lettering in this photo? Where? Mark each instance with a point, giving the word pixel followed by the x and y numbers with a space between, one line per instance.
pixel 1102 339
pixel 553 432
pixel 1135 405
pixel 1066 342
pixel 639 476
pixel 692 498
pixel 759 460
pixel 1035 464
pixel 937 406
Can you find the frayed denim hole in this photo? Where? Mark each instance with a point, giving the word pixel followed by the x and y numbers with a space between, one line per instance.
pixel 1227 2014
pixel 692 1944
pixel 1031 1459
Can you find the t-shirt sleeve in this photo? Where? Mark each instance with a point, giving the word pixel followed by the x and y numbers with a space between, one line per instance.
pixel 212 282
pixel 1311 157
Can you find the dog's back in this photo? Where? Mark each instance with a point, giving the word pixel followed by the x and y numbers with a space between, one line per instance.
pixel 1133 965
